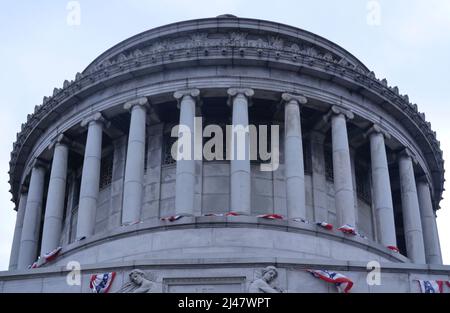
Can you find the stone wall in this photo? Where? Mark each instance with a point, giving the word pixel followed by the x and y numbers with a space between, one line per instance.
pixel 226 275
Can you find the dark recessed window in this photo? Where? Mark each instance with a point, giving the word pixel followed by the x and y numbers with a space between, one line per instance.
pixel 106 171
pixel 328 163
pixel 363 185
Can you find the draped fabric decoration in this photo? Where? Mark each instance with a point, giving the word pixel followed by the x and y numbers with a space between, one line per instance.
pixel 100 283
pixel 222 214
pixel 393 248
pixel 343 283
pixel 271 216
pixel 324 225
pixel 52 255
pixel 431 286
pixel 350 230
pixel 34 265
pixel 172 218
pixel 48 257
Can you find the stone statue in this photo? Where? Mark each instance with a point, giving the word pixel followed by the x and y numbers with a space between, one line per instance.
pixel 139 283
pixel 265 283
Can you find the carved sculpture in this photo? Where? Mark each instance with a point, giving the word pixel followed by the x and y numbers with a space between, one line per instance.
pixel 265 283
pixel 139 283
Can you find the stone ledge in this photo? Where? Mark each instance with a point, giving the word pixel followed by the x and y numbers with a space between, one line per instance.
pixel 230 262
pixel 156 225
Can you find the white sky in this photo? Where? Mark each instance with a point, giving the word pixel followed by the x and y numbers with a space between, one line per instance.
pixel 39 50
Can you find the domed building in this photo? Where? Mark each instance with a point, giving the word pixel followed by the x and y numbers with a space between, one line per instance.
pixel 99 193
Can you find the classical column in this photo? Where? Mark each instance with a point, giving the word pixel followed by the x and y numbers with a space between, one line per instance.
pixel 18 231
pixel 90 179
pixel 355 192
pixel 185 177
pixel 54 209
pixel 318 176
pixel 429 227
pixel 134 169
pixel 342 171
pixel 382 195
pixel 410 208
pixel 32 219
pixel 240 175
pixel 293 156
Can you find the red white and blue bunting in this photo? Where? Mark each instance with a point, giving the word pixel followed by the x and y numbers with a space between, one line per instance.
pixel 172 218
pixel 100 283
pixel 431 286
pixel 343 283
pixel 324 225
pixel 52 255
pixel 350 230
pixel 46 258
pixel 34 265
pixel 271 216
pixel 394 248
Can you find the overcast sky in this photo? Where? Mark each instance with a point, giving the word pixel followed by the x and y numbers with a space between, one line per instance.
pixel 408 43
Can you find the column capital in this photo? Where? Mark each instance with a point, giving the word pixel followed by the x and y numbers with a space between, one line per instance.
pixel 288 97
pixel 39 163
pixel 376 129
pixel 180 94
pixel 335 111
pixel 96 117
pixel 407 153
pixel 59 139
pixel 129 105
pixel 247 92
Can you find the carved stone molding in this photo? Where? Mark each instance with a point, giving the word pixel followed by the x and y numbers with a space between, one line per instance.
pixel 193 93
pixel 247 92
pixel 377 129
pixel 141 102
pixel 288 97
pixel 96 117
pixel 59 139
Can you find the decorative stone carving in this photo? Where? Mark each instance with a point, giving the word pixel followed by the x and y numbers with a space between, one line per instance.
pixel 199 39
pixel 377 129
pixel 276 42
pixel 130 104
pixel 122 58
pixel 194 93
pixel 238 37
pixel 96 117
pixel 139 282
pixel 235 91
pixel 295 48
pixel 265 284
